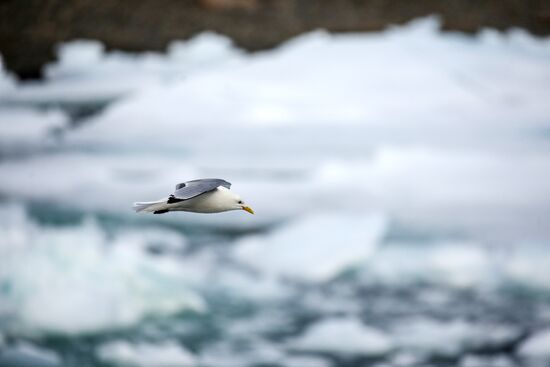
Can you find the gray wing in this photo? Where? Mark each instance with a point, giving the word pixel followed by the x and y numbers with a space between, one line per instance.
pixel 190 189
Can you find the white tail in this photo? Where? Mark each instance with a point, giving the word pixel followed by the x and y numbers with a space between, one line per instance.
pixel 147 206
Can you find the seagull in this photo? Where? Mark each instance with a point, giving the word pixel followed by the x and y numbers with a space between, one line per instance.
pixel 206 195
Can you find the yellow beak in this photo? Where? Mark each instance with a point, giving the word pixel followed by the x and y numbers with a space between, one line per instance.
pixel 248 209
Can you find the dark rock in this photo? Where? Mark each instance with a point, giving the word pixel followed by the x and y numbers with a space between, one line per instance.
pixel 29 30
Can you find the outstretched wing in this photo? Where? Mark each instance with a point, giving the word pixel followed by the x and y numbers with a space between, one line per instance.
pixel 190 189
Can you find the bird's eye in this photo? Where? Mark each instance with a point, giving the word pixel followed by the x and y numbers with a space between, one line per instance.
pixel 240 202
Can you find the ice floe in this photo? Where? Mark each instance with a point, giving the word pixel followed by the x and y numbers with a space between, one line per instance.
pixel 466 154
pixel 432 338
pixel 343 337
pixel 528 267
pixel 460 265
pixel 484 361
pixel 28 354
pixel 28 131
pixel 247 352
pixel 98 181
pixel 305 361
pixel 431 187
pixel 314 248
pixel 86 74
pixel 143 354
pixel 536 349
pixel 7 81
pixel 444 137
pixel 79 280
pixel 290 85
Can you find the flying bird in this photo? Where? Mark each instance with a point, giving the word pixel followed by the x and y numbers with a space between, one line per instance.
pixel 206 195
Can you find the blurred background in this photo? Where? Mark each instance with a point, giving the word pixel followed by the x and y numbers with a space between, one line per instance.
pixel 396 152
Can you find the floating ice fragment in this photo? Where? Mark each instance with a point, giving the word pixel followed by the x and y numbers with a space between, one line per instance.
pixel 204 49
pixel 7 81
pixel 314 248
pixel 251 352
pixel 343 337
pixel 305 361
pixel 434 338
pixel 452 264
pixel 486 361
pixel 80 280
pixel 528 267
pixel 536 348
pixel 76 58
pixel 141 354
pixel 27 354
pixel 26 131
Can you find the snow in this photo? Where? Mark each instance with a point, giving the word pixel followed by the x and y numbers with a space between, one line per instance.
pixel 80 280
pixel 536 347
pixel 343 337
pixel 142 354
pixel 314 248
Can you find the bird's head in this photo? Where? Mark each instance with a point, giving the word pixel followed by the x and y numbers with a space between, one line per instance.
pixel 232 201
pixel 241 205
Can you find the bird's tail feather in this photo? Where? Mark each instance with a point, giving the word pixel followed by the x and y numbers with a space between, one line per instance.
pixel 149 206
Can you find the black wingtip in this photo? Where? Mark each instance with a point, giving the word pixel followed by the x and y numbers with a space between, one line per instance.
pixel 172 199
pixel 160 211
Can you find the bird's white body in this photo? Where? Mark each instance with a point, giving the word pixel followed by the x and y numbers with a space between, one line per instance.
pixel 219 200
